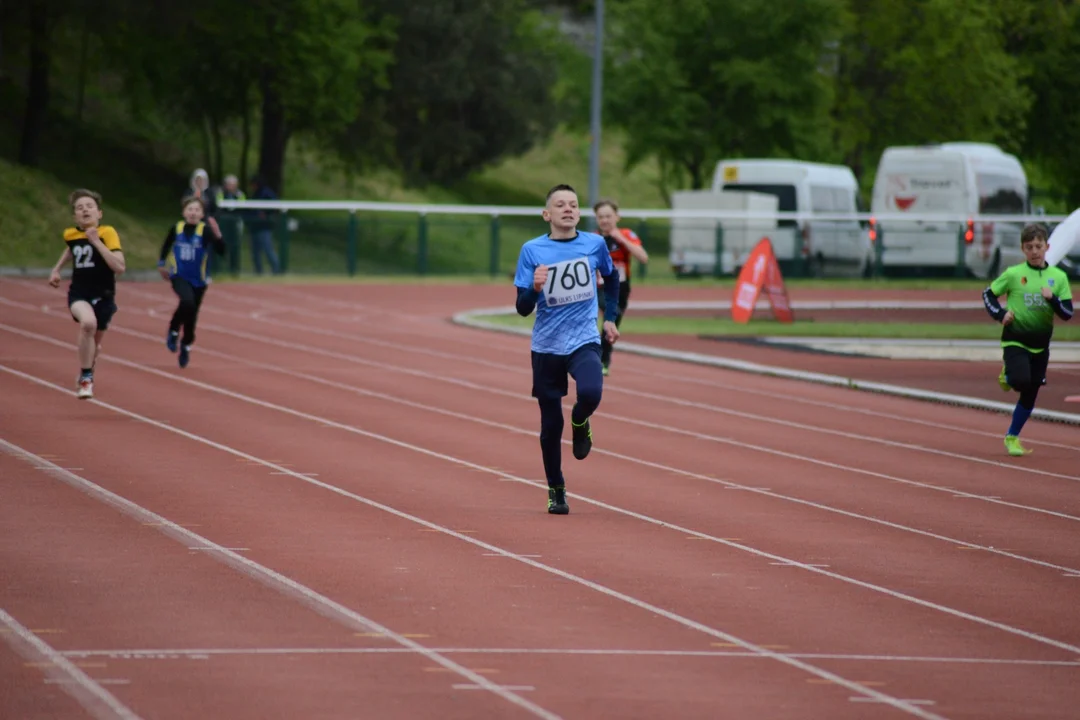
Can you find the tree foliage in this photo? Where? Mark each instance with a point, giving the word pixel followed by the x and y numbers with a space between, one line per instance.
pixel 440 89
pixel 471 83
pixel 925 71
pixel 695 80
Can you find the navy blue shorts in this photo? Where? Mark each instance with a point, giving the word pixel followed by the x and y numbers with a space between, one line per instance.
pixel 552 373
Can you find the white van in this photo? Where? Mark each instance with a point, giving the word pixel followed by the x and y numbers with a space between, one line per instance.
pixel 694 241
pixel 836 246
pixel 961 180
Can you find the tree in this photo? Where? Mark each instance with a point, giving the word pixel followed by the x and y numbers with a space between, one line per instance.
pixel 1043 35
pixel 925 71
pixel 471 83
pixel 693 81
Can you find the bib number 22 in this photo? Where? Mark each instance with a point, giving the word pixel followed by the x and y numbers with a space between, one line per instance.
pixel 569 282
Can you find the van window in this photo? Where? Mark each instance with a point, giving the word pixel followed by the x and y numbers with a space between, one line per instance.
pixel 1001 195
pixel 821 199
pixel 785 195
pixel 844 201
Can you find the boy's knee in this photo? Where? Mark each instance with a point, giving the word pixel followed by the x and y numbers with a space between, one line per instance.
pixel 88 325
pixel 590 395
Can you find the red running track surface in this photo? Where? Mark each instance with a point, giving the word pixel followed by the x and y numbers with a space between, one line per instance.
pixel 338 510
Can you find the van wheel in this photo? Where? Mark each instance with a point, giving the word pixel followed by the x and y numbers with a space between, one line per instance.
pixel 995 266
pixel 815 267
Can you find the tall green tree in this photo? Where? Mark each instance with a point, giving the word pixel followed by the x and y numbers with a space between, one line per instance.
pixel 693 81
pixel 471 82
pixel 1042 34
pixel 301 63
pixel 925 71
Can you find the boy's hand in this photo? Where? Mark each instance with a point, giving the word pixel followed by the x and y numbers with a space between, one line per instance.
pixel 1047 292
pixel 540 277
pixel 54 278
pixel 92 235
pixel 1008 318
pixel 611 332
pixel 163 272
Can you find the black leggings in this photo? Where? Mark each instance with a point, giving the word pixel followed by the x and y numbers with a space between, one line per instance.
pixel 1026 372
pixel 550 386
pixel 187 312
pixel 624 301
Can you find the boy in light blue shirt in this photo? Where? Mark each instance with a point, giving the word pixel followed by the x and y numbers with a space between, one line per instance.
pixel 556 275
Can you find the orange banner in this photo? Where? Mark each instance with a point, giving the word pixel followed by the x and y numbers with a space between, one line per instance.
pixel 761 273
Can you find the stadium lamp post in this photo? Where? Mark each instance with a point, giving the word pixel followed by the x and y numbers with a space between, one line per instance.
pixel 594 111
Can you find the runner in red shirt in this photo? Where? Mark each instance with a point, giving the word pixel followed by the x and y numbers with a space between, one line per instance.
pixel 624 245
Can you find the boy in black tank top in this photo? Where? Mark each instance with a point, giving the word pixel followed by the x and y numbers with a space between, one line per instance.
pixel 98 259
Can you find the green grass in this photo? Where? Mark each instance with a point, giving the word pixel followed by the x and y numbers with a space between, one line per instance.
pixel 36 212
pixel 655 325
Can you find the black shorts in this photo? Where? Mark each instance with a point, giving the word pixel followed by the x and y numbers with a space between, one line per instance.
pixel 551 373
pixel 1024 368
pixel 104 306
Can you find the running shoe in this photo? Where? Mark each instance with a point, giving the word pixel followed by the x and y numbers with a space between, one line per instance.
pixel 582 439
pixel 1013 446
pixel 557 501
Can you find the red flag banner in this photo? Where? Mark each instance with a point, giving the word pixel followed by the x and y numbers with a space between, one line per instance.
pixel 761 273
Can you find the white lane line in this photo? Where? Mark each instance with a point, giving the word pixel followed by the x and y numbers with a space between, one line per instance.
pixel 613 418
pixel 89 693
pixel 207 653
pixel 412 349
pixel 679 378
pixel 497 473
pixel 617 455
pixel 239 561
pixel 271 578
pixel 616 418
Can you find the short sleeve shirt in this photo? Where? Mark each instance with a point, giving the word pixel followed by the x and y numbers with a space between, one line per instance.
pixel 567 310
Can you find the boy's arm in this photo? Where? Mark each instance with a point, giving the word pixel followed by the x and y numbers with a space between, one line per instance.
pixel 1062 304
pixel 54 276
pixel 632 244
pixel 607 271
pixel 216 238
pixel 170 238
pixel 64 257
pixel 991 294
pixel 524 281
pixel 107 243
pixel 526 301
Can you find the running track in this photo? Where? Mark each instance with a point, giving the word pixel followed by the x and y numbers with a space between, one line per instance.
pixel 337 511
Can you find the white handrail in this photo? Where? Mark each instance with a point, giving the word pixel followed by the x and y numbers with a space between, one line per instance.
pixel 642 214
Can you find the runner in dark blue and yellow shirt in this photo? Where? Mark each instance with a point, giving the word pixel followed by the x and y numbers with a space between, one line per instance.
pixel 183 262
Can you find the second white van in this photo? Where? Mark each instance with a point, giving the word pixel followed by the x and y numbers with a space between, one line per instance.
pixel 958 181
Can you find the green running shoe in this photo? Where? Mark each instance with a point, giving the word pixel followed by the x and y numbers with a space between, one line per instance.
pixel 1012 444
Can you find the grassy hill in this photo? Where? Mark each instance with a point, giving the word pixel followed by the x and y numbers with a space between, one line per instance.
pixel 142 178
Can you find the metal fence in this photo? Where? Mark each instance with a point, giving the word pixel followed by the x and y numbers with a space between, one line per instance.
pixel 370 238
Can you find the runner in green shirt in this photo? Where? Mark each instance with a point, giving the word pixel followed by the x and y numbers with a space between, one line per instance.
pixel 1036 292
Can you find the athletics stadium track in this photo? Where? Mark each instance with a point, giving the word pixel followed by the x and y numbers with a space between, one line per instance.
pixel 338 511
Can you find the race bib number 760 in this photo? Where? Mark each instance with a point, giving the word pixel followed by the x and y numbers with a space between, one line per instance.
pixel 569 281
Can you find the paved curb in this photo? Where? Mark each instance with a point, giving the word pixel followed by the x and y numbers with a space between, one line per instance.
pixel 472 318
